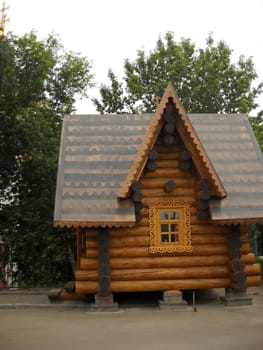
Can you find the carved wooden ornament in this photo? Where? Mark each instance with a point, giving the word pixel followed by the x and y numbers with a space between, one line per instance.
pixel 178 226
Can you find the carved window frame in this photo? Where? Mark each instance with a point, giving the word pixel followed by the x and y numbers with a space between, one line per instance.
pixel 168 205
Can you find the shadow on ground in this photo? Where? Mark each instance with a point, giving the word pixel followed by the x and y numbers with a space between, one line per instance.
pixel 151 299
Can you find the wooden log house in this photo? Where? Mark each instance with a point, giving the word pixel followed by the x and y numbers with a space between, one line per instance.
pixel 161 201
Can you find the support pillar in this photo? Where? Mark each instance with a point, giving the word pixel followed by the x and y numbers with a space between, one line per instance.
pixel 172 300
pixel 236 294
pixel 104 298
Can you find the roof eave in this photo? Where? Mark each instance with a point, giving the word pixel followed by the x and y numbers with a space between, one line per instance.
pixel 93 224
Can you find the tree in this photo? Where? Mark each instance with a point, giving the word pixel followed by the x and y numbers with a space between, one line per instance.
pixel 39 81
pixel 206 80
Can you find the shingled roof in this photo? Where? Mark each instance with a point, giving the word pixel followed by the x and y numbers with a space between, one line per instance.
pixel 233 149
pixel 101 155
pixel 96 154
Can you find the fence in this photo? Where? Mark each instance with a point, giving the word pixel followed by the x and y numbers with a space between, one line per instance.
pixel 49 268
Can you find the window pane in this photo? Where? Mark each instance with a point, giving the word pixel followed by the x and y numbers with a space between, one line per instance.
pixel 164 215
pixel 174 237
pixel 174 228
pixel 165 238
pixel 164 228
pixel 174 215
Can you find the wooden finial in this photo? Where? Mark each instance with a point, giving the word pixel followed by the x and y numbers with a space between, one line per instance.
pixel 3 19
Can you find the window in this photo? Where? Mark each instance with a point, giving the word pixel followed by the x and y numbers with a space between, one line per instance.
pixel 170 229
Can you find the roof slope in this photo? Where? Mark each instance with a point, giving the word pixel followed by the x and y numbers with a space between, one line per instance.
pixel 101 156
pixel 96 154
pixel 232 147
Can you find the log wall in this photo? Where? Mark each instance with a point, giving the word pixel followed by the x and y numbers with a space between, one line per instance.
pixel 133 268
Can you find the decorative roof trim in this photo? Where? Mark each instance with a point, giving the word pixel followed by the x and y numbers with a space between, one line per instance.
pixel 94 224
pixel 151 136
pixel 238 221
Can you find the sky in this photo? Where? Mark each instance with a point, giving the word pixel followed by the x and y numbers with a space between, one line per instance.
pixel 109 31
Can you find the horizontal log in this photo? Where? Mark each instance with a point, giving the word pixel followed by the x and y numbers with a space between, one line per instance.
pixel 164 261
pixel 151 286
pixel 131 241
pixel 160 261
pixel 143 240
pixel 196 221
pixel 131 252
pixel 204 249
pixel 208 229
pixel 248 258
pixel 208 239
pixel 168 152
pixel 158 274
pixel 169 172
pixel 170 163
pixel 136 230
pixel 252 269
pixel 160 182
pixel 86 287
pixel 182 192
pixel 91 245
pixel 88 264
pixel 253 281
pixel 86 275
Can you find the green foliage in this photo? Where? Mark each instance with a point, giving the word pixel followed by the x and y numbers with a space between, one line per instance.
pixel 206 80
pixel 38 85
pixel 257 125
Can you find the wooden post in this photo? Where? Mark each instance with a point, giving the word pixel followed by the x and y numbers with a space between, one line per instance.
pixel 104 297
pixel 236 294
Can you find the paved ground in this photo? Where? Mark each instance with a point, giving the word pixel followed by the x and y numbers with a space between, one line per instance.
pixel 135 327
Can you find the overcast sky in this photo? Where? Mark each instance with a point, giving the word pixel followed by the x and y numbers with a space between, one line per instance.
pixel 108 31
